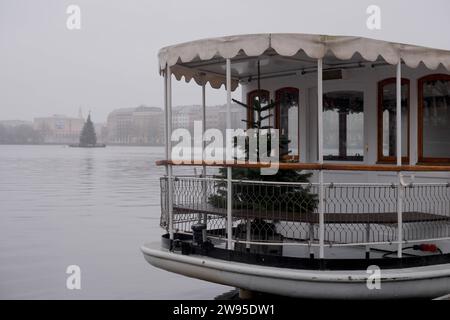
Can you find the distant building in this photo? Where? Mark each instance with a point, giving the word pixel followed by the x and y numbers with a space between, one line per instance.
pixel 15 123
pixel 148 126
pixel 184 117
pixel 119 126
pixel 238 114
pixel 18 132
pixel 59 129
pixel 139 126
pixel 101 132
pixel 145 125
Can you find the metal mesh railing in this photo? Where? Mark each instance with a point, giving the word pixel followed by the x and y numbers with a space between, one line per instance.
pixel 192 204
pixel 360 213
pixel 271 212
pixel 287 213
pixel 431 201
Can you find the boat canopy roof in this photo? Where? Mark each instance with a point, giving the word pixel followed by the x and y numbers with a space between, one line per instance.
pixel 204 60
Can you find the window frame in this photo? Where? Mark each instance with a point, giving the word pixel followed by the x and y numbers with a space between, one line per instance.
pixel 347 158
pixel 277 120
pixel 250 97
pixel 381 157
pixel 420 84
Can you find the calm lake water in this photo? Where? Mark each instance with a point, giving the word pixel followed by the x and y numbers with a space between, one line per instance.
pixel 93 208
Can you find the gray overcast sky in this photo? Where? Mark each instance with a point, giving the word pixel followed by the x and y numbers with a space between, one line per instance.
pixel 111 62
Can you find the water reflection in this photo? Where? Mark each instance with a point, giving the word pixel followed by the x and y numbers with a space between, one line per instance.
pixel 91 207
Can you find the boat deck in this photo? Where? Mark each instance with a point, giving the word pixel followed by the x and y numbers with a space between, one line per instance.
pixel 330 218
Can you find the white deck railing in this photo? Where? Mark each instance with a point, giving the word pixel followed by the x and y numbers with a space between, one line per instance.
pixel 286 214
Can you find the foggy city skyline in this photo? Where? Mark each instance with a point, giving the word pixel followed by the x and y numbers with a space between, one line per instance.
pixel 112 62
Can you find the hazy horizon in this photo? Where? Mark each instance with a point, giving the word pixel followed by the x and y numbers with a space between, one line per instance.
pixel 86 112
pixel 112 61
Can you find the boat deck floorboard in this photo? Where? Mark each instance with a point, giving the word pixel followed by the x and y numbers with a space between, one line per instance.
pixel 312 217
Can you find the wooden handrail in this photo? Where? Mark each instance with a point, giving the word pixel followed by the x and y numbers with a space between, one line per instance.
pixel 312 166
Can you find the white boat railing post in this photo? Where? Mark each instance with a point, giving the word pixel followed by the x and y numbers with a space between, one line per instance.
pixel 169 149
pixel 320 158
pixel 228 158
pixel 399 161
pixel 367 240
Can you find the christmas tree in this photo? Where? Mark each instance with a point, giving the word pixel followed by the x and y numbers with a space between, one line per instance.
pixel 294 198
pixel 88 138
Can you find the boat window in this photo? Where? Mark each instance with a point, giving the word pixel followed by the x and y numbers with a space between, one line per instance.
pixel 287 120
pixel 387 120
pixel 343 126
pixel 434 118
pixel 264 98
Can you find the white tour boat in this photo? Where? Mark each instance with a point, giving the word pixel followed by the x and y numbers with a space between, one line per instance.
pixel 351 213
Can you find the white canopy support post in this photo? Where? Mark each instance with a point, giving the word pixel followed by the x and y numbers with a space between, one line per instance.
pixel 399 114
pixel 229 169
pixel 166 113
pixel 169 149
pixel 399 161
pixel 205 185
pixel 203 125
pixel 320 157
